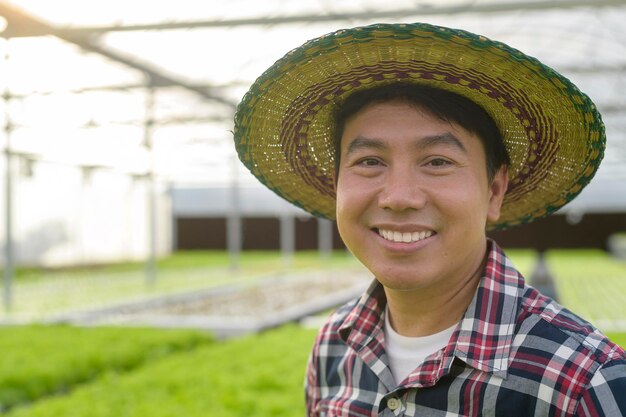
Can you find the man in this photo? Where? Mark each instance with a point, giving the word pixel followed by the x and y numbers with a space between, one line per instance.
pixel 418 139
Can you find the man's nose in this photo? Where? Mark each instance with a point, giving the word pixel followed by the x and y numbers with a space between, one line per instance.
pixel 402 190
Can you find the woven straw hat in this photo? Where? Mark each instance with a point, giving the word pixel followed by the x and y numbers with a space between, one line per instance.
pixel 284 130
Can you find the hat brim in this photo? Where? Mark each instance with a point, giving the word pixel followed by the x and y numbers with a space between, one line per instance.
pixel 284 130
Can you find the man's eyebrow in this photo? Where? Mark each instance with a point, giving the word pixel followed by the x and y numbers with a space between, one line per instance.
pixel 443 139
pixel 423 143
pixel 364 143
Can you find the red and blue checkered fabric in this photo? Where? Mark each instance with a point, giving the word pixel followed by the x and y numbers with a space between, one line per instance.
pixel 515 353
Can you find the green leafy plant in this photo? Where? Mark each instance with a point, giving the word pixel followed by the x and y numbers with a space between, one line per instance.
pixel 41 360
pixel 591 283
pixel 254 376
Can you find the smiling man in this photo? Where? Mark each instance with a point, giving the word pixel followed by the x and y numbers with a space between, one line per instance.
pixel 414 194
pixel 418 139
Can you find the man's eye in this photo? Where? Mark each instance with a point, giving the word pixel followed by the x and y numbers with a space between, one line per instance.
pixel 438 162
pixel 369 162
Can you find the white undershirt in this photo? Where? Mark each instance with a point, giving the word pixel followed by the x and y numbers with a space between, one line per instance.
pixel 406 353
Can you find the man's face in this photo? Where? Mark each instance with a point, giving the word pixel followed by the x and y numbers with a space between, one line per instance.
pixel 413 197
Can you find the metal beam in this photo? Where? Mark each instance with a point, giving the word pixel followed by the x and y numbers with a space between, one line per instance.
pixel 164 121
pixel 593 69
pixel 22 24
pixel 423 9
pixel 134 86
pixel 19 24
pixel 612 108
pixel 156 78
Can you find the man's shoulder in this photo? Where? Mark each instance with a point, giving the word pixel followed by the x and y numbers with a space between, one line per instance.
pixel 554 331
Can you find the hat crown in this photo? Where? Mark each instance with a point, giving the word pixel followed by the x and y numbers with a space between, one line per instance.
pixel 284 129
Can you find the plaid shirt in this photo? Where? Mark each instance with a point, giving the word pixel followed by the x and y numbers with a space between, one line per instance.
pixel 514 353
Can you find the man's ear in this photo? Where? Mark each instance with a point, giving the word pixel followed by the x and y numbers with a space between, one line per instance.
pixel 497 189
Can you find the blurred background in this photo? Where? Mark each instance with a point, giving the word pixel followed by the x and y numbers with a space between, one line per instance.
pixel 123 205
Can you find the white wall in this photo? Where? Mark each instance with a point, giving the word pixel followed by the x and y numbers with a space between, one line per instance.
pixel 65 215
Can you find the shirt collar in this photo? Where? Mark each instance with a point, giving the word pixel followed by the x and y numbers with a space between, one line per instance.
pixel 365 320
pixel 484 336
pixel 487 329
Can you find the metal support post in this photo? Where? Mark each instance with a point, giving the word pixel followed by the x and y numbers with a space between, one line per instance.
pixel 8 219
pixel 233 221
pixel 325 238
pixel 151 201
pixel 287 238
pixel 8 199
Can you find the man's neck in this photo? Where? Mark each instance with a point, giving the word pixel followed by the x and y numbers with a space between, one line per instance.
pixel 429 311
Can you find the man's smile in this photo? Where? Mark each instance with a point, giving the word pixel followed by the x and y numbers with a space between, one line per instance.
pixel 405 237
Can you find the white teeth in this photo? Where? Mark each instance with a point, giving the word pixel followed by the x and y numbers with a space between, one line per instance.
pixel 406 237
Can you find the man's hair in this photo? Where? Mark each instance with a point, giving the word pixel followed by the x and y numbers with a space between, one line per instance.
pixel 443 104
